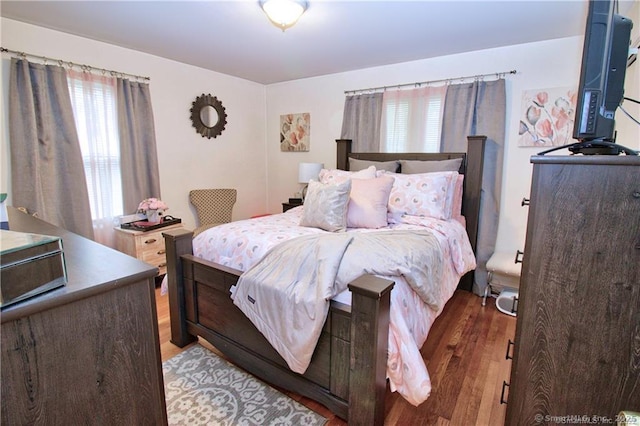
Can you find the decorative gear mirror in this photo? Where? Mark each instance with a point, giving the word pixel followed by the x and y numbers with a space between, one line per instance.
pixel 208 116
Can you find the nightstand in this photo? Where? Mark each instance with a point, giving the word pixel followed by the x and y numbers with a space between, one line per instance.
pixel 289 205
pixel 146 246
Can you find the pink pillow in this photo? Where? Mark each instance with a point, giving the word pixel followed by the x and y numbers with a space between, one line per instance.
pixel 368 202
pixel 423 194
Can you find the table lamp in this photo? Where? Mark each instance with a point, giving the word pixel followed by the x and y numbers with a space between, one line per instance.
pixel 306 172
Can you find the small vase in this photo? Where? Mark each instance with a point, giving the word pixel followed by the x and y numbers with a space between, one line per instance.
pixel 154 216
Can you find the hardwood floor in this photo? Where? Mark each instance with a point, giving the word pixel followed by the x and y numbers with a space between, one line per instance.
pixel 465 355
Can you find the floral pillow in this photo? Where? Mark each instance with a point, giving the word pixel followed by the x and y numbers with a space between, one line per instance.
pixel 337 176
pixel 423 194
pixel 368 202
pixel 325 206
pixel 456 204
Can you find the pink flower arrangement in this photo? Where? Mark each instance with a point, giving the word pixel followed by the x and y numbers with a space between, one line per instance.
pixel 151 204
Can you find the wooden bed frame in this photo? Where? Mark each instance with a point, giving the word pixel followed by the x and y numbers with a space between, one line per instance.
pixel 348 369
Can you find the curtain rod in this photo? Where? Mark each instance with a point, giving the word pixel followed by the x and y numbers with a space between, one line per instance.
pixel 421 83
pixel 87 68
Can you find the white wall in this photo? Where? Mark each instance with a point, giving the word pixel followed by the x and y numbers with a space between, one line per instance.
pixel 247 155
pixel 547 64
pixel 236 158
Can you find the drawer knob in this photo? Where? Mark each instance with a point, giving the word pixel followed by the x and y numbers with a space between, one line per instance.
pixel 162 265
pixel 510 343
pixel 519 255
pixel 150 241
pixel 526 201
pixel 504 386
pixel 161 252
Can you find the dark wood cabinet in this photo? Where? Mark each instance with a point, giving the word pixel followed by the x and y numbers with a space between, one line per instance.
pixel 290 205
pixel 577 344
pixel 86 353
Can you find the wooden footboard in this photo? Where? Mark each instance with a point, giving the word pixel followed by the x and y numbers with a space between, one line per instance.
pixel 347 373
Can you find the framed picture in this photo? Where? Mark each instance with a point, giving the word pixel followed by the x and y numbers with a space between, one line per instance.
pixel 294 132
pixel 547 117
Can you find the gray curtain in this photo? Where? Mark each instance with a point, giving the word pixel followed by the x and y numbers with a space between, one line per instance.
pixel 361 121
pixel 140 173
pixel 479 109
pixel 47 173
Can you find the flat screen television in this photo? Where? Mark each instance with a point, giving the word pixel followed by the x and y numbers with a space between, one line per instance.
pixel 601 87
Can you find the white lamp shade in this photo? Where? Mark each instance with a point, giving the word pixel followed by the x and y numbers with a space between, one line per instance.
pixel 308 171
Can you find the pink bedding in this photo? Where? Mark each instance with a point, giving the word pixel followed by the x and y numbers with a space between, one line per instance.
pixel 242 244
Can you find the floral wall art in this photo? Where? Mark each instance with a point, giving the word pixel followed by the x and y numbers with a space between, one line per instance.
pixel 547 117
pixel 294 132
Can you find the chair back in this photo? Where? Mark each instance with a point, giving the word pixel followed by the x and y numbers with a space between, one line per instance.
pixel 213 206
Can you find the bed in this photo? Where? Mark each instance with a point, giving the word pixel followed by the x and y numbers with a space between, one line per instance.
pixel 348 369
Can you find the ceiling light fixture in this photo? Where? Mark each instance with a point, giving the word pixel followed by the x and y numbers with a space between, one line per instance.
pixel 283 13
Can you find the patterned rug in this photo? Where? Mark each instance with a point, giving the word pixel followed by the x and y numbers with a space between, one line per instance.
pixel 204 389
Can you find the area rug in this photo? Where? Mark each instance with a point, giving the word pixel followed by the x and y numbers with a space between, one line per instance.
pixel 203 389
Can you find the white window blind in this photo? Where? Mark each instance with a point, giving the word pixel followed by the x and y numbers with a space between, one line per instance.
pixel 93 99
pixel 411 120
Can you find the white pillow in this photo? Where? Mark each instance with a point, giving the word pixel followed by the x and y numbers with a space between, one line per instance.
pixel 356 164
pixel 368 202
pixel 325 206
pixel 423 194
pixel 338 176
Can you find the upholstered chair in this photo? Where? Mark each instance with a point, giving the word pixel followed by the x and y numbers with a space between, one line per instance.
pixel 213 206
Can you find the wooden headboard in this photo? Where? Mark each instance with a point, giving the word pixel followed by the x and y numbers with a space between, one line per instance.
pixel 472 167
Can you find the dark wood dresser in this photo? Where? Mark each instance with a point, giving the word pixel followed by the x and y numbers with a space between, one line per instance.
pixel 87 353
pixel 577 344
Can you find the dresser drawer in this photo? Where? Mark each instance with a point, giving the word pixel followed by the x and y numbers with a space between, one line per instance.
pixel 149 246
pixel 156 258
pixel 149 243
pixel 146 246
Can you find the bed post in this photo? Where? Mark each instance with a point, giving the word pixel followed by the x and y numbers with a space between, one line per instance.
pixel 343 151
pixel 473 185
pixel 370 303
pixel 177 243
pixel 472 195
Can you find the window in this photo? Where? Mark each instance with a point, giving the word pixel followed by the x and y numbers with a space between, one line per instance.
pixel 411 120
pixel 93 99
